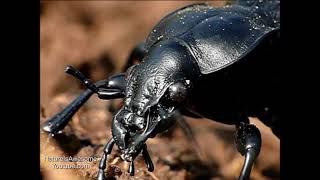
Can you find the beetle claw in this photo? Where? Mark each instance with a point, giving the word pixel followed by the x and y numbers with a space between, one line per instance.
pixel 147 158
pixel 131 168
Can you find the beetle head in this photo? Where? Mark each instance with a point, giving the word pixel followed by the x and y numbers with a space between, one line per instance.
pixel 150 98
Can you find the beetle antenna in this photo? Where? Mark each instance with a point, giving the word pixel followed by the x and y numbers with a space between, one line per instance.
pixel 61 119
pixel 77 74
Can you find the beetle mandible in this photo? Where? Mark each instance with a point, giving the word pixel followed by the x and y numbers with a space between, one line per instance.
pixel 201 61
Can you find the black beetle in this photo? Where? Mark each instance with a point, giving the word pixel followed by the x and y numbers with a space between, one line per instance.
pixel 218 63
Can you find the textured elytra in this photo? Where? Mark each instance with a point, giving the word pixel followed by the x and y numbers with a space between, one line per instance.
pixel 217 37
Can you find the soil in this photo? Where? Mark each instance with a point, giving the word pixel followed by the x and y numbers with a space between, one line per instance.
pixel 96 37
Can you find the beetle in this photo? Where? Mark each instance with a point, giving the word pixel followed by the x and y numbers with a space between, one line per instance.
pixel 217 63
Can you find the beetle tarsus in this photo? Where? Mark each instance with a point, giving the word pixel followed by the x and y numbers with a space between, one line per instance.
pixel 131 168
pixel 102 165
pixel 147 158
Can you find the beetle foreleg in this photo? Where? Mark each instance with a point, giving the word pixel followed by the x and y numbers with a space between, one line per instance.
pixel 102 165
pixel 248 142
pixel 131 170
pixel 147 158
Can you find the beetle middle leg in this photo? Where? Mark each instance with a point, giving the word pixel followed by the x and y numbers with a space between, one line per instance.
pixel 102 165
pixel 248 142
pixel 147 158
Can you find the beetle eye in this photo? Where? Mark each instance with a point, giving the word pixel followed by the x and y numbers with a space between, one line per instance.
pixel 178 92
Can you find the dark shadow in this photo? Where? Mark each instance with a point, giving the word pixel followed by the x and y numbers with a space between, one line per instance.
pixel 71 143
pixel 85 68
pixel 42 8
pixel 227 135
pixel 196 168
pixel 86 19
pixel 271 173
pixel 105 61
pixel 41 176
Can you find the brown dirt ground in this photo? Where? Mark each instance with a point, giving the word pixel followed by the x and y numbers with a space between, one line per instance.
pixel 96 37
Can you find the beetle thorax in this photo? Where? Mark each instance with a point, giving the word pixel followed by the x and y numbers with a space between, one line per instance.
pixel 145 88
pixel 165 64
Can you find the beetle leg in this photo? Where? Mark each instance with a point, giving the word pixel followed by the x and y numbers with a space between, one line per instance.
pixel 248 142
pixel 102 165
pixel 131 170
pixel 147 158
pixel 137 53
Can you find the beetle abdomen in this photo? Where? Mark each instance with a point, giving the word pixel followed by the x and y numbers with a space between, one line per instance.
pixel 217 37
pixel 219 41
pixel 177 23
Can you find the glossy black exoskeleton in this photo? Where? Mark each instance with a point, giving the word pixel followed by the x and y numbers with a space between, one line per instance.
pixel 218 63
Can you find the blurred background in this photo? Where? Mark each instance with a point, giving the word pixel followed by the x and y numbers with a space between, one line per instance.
pixel 97 37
